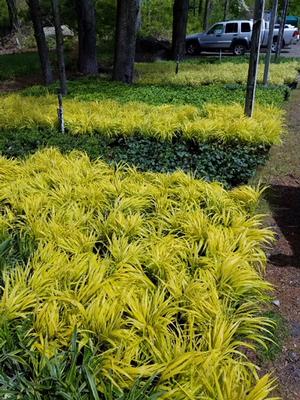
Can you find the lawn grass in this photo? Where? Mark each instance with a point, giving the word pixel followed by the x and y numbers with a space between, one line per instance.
pixel 18 65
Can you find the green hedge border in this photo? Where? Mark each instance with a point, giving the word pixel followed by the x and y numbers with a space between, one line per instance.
pixel 231 163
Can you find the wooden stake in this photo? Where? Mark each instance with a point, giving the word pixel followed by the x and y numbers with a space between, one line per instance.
pixel 177 64
pixel 270 42
pixel 60 114
pixel 254 56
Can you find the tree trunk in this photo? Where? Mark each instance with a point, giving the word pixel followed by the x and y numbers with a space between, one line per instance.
pixel 180 18
pixel 254 56
pixel 13 15
pixel 139 18
pixel 87 59
pixel 35 13
pixel 127 13
pixel 226 8
pixel 281 29
pixel 59 48
pixel 200 6
pixel 270 42
pixel 206 16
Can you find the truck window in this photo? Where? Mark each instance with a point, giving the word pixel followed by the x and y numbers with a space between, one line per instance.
pixel 216 29
pixel 246 27
pixel 231 27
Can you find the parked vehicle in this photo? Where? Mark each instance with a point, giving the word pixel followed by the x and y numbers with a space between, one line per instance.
pixel 296 33
pixel 293 20
pixel 233 36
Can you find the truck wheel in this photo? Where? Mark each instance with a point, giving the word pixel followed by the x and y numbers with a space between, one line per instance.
pixel 274 44
pixel 192 49
pixel 239 49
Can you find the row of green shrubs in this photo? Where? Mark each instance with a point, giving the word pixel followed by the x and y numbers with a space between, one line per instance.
pixel 230 163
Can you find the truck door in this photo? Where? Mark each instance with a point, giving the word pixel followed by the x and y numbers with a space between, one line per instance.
pixel 213 37
pixel 231 32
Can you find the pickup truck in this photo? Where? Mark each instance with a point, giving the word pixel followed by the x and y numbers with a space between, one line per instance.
pixel 234 36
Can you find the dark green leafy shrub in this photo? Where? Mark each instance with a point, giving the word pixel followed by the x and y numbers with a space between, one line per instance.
pixel 231 163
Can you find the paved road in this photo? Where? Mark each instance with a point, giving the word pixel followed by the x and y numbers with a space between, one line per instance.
pixel 292 51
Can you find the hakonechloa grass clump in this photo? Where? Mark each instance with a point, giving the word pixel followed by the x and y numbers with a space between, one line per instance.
pixel 165 122
pixel 163 273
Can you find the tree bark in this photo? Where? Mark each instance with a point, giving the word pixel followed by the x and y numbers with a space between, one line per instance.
pixel 87 50
pixel 35 14
pixel 270 42
pixel 59 47
pixel 281 29
pixel 200 6
pixel 206 16
pixel 180 18
pixel 13 15
pixel 226 8
pixel 254 56
pixel 127 14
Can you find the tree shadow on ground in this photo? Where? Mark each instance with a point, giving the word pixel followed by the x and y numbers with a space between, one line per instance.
pixel 285 204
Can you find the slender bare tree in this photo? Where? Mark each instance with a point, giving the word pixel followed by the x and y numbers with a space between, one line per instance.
pixel 36 17
pixel 59 47
pixel 270 42
pixel 254 57
pixel 207 12
pixel 281 29
pixel 226 9
pixel 13 15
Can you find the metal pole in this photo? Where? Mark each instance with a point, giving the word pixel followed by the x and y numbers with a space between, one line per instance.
pixel 270 42
pixel 281 29
pixel 254 56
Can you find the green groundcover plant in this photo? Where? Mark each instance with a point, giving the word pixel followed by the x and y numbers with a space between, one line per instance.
pixel 102 88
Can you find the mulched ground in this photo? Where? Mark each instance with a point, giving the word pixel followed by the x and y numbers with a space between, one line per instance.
pixel 19 83
pixel 282 173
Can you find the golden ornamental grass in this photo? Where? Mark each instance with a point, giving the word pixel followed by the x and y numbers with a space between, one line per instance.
pixel 195 74
pixel 111 118
pixel 162 272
